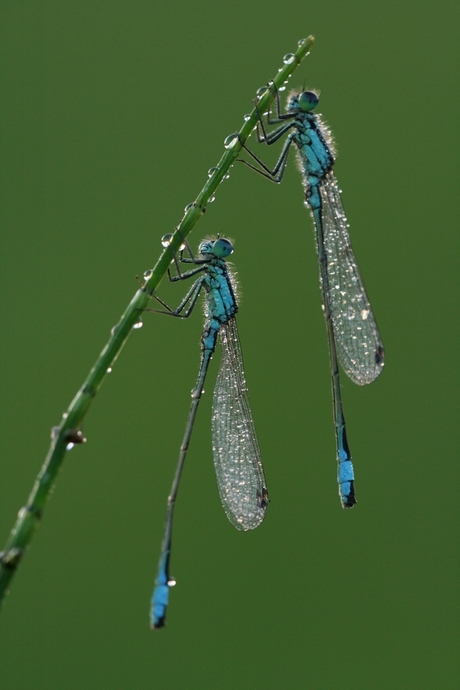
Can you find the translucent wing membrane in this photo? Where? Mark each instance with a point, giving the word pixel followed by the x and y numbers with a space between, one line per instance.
pixel 359 347
pixel 239 471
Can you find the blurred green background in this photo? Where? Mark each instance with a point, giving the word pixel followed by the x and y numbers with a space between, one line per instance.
pixel 111 115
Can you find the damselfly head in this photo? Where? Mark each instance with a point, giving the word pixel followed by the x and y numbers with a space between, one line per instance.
pixel 305 101
pixel 308 100
pixel 220 247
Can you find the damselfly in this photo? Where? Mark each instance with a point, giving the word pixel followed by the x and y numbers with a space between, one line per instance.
pixel 352 332
pixel 237 462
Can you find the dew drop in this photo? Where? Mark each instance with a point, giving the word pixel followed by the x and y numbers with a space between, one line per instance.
pixel 282 88
pixel 109 370
pixel 246 117
pixel 211 171
pixel 148 273
pixel 260 92
pixel 11 557
pixel 231 140
pixel 165 241
pixel 113 330
pixel 301 42
pixel 226 176
pixel 138 325
pixel 189 206
pixel 69 446
pixel 289 58
pixel 172 582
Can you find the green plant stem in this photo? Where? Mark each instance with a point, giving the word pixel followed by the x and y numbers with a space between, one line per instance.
pixel 69 429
